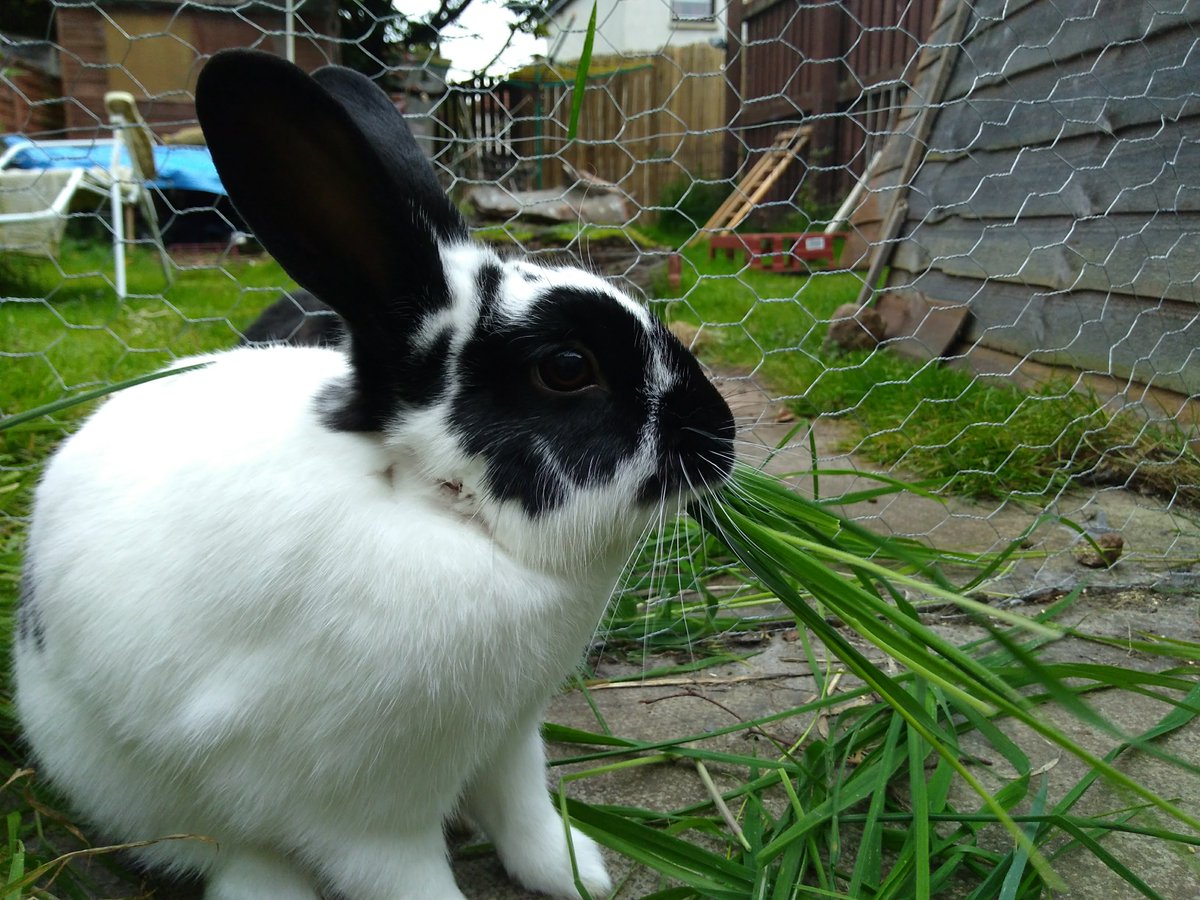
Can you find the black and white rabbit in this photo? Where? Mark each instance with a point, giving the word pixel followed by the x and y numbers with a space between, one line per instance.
pixel 311 602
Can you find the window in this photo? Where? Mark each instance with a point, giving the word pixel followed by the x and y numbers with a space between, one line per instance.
pixel 692 10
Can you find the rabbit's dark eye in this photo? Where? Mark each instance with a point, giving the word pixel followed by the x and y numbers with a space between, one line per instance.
pixel 566 371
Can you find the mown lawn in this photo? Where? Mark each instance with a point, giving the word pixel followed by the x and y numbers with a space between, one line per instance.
pixel 64 327
pixel 62 331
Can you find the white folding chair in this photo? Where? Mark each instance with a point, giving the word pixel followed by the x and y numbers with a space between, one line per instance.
pixel 130 186
pixel 35 202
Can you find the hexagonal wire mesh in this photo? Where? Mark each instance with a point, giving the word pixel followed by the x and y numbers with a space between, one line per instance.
pixel 953 243
pixel 1005 195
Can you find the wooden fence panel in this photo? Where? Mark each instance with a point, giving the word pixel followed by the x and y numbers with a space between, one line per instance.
pixel 175 42
pixel 645 123
pixel 30 103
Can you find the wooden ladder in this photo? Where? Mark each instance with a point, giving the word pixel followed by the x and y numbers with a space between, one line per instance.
pixel 786 147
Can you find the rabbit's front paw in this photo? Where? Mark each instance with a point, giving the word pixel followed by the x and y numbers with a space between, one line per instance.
pixel 245 873
pixel 592 870
pixel 546 867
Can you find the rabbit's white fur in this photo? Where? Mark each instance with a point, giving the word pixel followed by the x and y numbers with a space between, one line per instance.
pixel 305 644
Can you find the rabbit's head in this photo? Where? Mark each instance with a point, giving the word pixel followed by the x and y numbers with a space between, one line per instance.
pixel 544 404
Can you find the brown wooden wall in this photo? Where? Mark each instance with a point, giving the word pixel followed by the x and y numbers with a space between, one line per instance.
pixel 836 66
pixel 156 54
pixel 1057 192
pixel 30 102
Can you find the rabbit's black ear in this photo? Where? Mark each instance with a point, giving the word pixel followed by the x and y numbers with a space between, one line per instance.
pixel 387 132
pixel 329 177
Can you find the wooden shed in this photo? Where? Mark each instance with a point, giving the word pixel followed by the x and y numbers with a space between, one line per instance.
pixel 30 88
pixel 155 49
pixel 1046 177
pixel 841 68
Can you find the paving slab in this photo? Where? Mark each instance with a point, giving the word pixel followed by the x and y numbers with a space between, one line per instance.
pixel 777 679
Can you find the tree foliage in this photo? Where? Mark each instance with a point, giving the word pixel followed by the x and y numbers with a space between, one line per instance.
pixel 27 18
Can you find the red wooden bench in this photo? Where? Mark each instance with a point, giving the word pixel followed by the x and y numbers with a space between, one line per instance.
pixel 777 251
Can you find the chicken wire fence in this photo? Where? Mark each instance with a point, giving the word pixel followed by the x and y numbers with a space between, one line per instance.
pixel 954 243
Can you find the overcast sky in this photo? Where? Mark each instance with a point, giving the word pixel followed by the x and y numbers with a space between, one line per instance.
pixel 478 36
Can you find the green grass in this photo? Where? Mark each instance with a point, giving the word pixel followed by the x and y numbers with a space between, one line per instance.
pixel 64 331
pixel 886 800
pixel 977 437
pixel 889 798
pixel 73 331
pixel 563 235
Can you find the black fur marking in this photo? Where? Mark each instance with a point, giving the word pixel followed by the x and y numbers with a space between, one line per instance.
pixel 488 284
pixel 538 444
pixel 388 375
pixel 345 407
pixel 695 430
pixel 337 407
pixel 29 616
pixel 296 318
pixel 364 235
pixel 404 160
pixel 425 375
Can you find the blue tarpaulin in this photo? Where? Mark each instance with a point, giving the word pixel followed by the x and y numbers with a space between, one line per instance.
pixel 180 166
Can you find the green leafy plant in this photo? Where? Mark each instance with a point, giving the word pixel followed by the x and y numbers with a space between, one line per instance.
pixel 879 803
pixel 975 436
pixel 581 75
pixel 686 204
